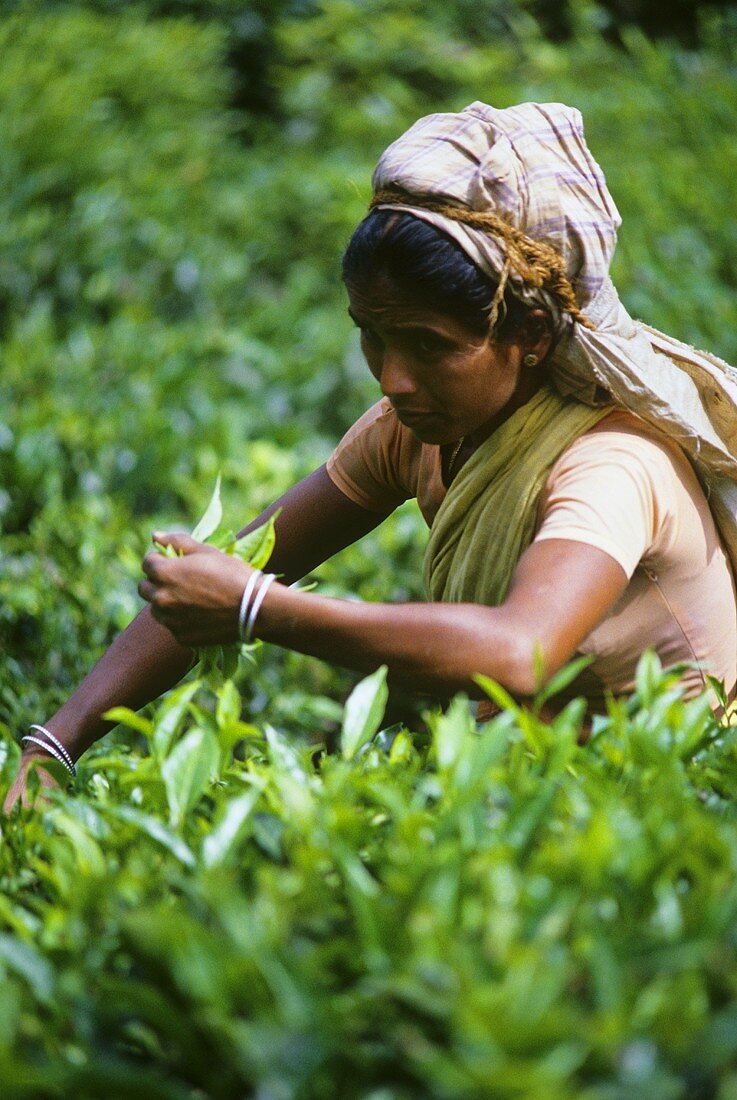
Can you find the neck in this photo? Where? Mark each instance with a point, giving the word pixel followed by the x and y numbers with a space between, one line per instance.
pixel 530 380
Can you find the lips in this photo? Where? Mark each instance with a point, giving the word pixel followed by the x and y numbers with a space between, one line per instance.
pixel 410 416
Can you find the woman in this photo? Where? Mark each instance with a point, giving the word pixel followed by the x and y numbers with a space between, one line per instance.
pixel 548 438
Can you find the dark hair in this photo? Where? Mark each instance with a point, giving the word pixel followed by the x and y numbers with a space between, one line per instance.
pixel 422 259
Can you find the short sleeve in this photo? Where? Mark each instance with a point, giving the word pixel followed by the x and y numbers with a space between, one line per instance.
pixel 375 464
pixel 613 490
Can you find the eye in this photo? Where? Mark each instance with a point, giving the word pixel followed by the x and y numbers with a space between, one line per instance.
pixel 370 338
pixel 428 345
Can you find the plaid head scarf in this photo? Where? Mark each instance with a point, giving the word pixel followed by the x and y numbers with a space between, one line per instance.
pixel 531 165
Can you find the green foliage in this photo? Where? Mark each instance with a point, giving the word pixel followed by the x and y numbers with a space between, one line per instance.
pixel 491 911
pixel 170 304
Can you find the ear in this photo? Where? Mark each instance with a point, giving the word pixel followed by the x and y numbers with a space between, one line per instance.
pixel 536 336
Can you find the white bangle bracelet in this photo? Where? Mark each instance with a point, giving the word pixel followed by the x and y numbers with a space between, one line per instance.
pixel 51 750
pixel 256 605
pixel 246 600
pixel 55 740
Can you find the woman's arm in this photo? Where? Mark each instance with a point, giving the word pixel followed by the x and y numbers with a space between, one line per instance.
pixel 560 591
pixel 316 520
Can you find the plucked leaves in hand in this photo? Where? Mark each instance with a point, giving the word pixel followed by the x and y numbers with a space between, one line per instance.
pixel 257 546
pixel 220 663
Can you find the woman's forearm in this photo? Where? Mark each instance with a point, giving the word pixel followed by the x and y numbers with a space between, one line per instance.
pixel 430 647
pixel 143 662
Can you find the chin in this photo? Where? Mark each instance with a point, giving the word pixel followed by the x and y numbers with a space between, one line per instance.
pixel 426 433
pixel 431 428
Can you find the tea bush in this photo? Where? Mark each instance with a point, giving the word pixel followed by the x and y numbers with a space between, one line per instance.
pixel 493 912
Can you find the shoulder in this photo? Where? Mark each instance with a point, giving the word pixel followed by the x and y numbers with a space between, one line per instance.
pixel 621 441
pixel 376 461
pixel 378 419
pixel 625 487
pixel 620 423
pixel 379 432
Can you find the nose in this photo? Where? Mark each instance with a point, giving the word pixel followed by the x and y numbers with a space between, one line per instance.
pixel 396 379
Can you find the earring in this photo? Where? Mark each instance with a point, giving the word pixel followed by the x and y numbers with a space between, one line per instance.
pixel 531 360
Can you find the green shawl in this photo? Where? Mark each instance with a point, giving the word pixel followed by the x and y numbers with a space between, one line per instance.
pixel 487 518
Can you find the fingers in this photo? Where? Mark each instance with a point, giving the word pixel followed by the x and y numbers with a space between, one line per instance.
pixel 147 590
pixel 156 587
pixel 177 545
pixel 11 798
pixel 161 599
pixel 19 790
pixel 180 542
pixel 153 566
pixel 196 592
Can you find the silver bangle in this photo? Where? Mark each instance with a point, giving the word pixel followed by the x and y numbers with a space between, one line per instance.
pixel 50 749
pixel 258 599
pixel 55 740
pixel 246 600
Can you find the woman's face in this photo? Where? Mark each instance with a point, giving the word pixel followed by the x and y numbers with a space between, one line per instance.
pixel 444 380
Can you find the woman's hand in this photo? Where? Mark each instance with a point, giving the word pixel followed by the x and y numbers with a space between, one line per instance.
pixel 196 596
pixel 19 789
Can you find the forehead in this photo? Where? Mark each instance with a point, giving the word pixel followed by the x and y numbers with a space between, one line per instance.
pixel 383 300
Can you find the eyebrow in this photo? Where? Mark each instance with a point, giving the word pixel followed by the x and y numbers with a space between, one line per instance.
pixel 408 327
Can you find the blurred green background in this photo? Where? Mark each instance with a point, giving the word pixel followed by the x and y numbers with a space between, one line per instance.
pixel 178 183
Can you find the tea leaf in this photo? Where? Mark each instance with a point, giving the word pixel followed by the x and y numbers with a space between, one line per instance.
pixel 648 676
pixel 187 771
pixel 364 710
pixel 124 716
pixel 561 679
pixel 30 965
pixel 212 517
pixel 450 731
pixel 218 845
pixel 156 829
pixel 228 709
pixel 170 716
pixel 498 694
pixel 257 546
